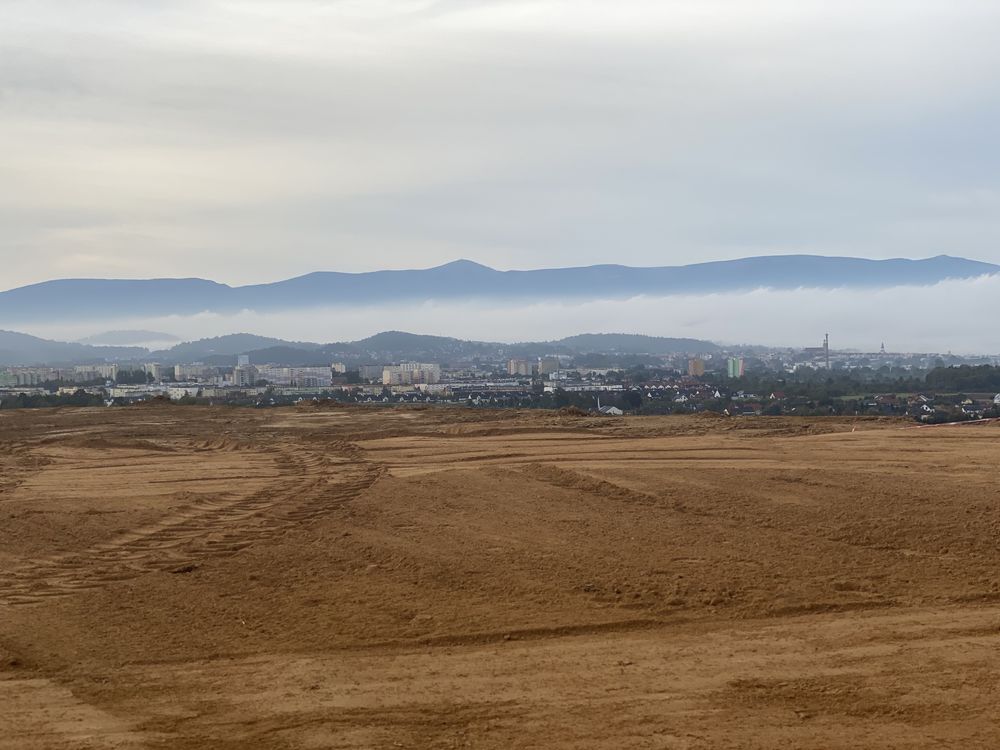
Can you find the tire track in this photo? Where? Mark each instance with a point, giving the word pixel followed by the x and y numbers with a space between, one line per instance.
pixel 312 484
pixel 17 463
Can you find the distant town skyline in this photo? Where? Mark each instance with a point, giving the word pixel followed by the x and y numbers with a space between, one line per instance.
pixel 245 141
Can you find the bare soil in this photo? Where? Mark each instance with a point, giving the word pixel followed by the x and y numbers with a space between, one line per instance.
pixel 328 577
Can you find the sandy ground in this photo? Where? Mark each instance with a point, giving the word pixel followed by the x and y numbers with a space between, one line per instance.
pixel 364 578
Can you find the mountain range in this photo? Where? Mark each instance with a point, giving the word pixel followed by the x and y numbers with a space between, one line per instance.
pixel 389 346
pixel 96 299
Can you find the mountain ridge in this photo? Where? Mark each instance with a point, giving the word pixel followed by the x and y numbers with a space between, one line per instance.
pixel 21 349
pixel 465 280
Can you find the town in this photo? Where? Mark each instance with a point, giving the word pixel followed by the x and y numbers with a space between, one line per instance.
pixel 739 382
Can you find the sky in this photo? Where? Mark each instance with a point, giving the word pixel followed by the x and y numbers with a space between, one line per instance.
pixel 253 140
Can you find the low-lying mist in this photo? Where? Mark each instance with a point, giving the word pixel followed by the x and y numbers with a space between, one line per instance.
pixel 958 316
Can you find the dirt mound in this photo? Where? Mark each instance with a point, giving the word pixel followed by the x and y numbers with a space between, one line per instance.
pixel 321 404
pixel 576 481
pixel 155 402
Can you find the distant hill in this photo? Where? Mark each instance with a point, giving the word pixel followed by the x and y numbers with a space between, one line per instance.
pixel 224 346
pixel 21 349
pixel 388 346
pixel 465 280
pixel 395 346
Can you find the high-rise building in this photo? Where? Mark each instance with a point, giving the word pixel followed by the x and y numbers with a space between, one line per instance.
pixel 243 360
pixel 409 373
pixel 549 365
pixel 186 373
pixel 303 377
pixel 520 367
pixel 696 367
pixel 735 367
pixel 95 372
pixel 245 376
pixel 370 372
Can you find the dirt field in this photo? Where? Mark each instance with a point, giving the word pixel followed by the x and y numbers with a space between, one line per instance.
pixel 176 577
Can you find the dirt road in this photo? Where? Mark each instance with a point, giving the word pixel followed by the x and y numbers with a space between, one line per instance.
pixel 177 577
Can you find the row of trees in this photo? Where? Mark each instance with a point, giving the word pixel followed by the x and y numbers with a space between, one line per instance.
pixel 35 401
pixel 966 378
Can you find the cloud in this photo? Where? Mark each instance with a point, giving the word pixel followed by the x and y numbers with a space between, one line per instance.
pixel 951 316
pixel 249 140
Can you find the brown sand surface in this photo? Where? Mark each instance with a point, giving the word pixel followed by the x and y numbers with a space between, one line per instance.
pixel 319 577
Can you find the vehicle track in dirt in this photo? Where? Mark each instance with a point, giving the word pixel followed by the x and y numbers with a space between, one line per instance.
pixel 313 482
pixel 17 463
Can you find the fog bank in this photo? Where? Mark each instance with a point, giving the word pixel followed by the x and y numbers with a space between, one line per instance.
pixel 957 316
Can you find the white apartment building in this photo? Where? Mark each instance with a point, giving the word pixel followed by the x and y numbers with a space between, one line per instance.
pixel 186 373
pixel 409 373
pixel 95 372
pixel 309 377
pixel 245 375
pixel 520 367
pixel 156 370
pixel 371 372
pixel 35 375
pixel 549 365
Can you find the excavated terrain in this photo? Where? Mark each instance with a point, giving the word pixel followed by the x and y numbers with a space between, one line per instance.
pixel 324 577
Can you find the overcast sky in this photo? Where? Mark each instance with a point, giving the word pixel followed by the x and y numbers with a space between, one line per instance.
pixel 251 140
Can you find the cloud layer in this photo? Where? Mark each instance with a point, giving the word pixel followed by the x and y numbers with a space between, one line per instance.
pixel 247 140
pixel 955 316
